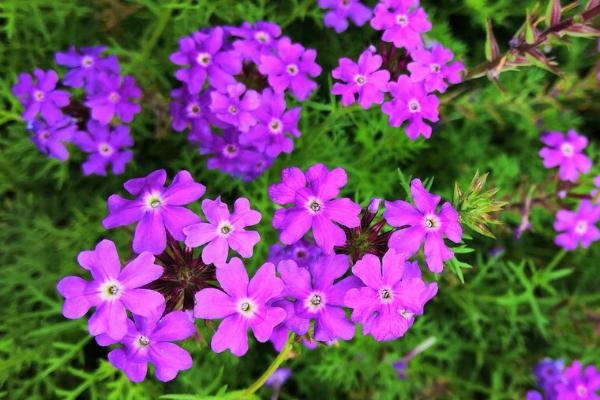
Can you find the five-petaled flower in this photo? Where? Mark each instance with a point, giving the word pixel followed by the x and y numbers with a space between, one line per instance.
pixel 432 68
pixel 113 97
pixel 40 97
pixel 566 153
pixel 402 21
pixel 105 147
pixel 577 226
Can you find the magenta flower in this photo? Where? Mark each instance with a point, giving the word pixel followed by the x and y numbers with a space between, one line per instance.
pixel 148 340
pixel 411 103
pixel 342 10
pixel 105 147
pixel 317 297
pixel 364 78
pixel 51 139
pixel 40 97
pixel 432 68
pixel 566 153
pixel 393 294
pixel 423 224
pixel 579 383
pixel 234 108
pixel 224 230
pixel 255 40
pixel 290 68
pixel 273 122
pixel 111 291
pixel 402 21
pixel 114 96
pixel 86 65
pixel 242 305
pixel 190 111
pixel 314 206
pixel 577 226
pixel 158 209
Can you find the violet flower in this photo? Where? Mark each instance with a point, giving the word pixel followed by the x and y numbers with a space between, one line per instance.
pixel 432 68
pixel 303 253
pixel 51 139
pixel 113 97
pixel 40 97
pixel 256 39
pixel 190 111
pixel 577 227
pixel 402 21
pixel 342 10
pixel 566 153
pixel 105 147
pixel 236 107
pixel 579 383
pixel 85 65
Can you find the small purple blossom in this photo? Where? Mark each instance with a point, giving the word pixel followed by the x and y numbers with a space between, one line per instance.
pixel 113 97
pixel 51 139
pixel 548 373
pixel 432 68
pixel 236 107
pixel 279 377
pixel 423 223
pixel 255 40
pixel 85 65
pixel 566 153
pixel 365 78
pixel 158 209
pixel 242 304
pixel 105 146
pixel 577 227
pixel 579 383
pixel 342 10
pixel 302 253
pixel 402 21
pixel 190 111
pixel 40 97
pixel 112 290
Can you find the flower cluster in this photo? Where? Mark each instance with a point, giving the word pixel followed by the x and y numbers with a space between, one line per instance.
pixel 408 71
pixel 560 383
pixel 233 98
pixel 96 124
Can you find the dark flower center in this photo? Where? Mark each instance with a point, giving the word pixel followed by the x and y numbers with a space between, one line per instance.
pixel 154 201
pixel 292 69
pixel 143 341
pixel 300 254
pixel 435 68
pixel 385 294
pixel 203 59
pixel 230 150
pixel 113 289
pixel 45 135
pixel 275 126
pixel 225 228
pixel 360 80
pixel 402 20
pixel 105 149
pixel 315 300
pixel 414 106
pixel 232 110
pixel 315 206
pixel 262 37
pixel 38 95
pixel 87 61
pixel 194 109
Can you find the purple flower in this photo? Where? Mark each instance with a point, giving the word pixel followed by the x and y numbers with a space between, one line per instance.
pixel 567 153
pixel 364 78
pixel 402 21
pixel 278 378
pixel 190 111
pixel 50 139
pixel 111 291
pixel 577 226
pixel 273 122
pixel 105 147
pixel 318 298
pixel 314 206
pixel 256 39
pixel 423 224
pixel 224 230
pixel 533 395
pixel 302 253
pixel 242 305
pixel 341 10
pixel 113 96
pixel 234 108
pixel 156 208
pixel 579 383
pixel 40 96
pixel 86 65
pixel 432 68
pixel 411 103
pixel 290 68
pixel 292 322
pixel 148 340
pixel 548 373
pixel 393 295
pixel 204 57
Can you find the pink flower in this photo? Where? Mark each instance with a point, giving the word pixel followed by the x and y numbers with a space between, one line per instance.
pixel 402 21
pixel 577 226
pixel 566 153
pixel 431 67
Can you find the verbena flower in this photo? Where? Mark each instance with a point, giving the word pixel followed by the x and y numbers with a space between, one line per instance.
pixel 40 97
pixel 191 111
pixel 224 230
pixel 566 153
pixel 303 253
pixel 51 139
pixel 402 21
pixel 363 78
pixel 85 65
pixel 411 102
pixel 242 304
pixel 105 147
pixel 433 68
pixel 394 293
pixel 112 290
pixel 423 223
pixel 579 383
pixel 236 106
pixel 114 96
pixel 548 373
pixel 255 39
pixel 342 10
pixel 314 206
pixel 577 227
pixel 158 209
pixel 291 68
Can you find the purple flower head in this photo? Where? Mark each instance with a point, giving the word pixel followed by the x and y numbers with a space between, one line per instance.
pixel 86 65
pixel 533 395
pixel 431 67
pixel 342 10
pixel 548 373
pixel 234 108
pixel 158 209
pixel 190 111
pixel 148 340
pixel 423 223
pixel 113 96
pixel 255 40
pixel 411 103
pixel 365 78
pixel 279 377
pixel 577 227
pixel 51 139
pixel 579 383
pixel 111 291
pixel 39 97
pixel 224 230
pixel 314 206
pixel 105 147
pixel 242 305
pixel 393 295
pixel 303 253
pixel 402 21
pixel 290 68
pixel 318 297
pixel 566 153
pixel 204 56
pixel 273 122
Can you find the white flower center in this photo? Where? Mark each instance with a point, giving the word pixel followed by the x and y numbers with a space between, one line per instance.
pixel 402 19
pixel 435 68
pixel 406 314
pixel 275 126
pixel 567 149
pixel 38 95
pixel 225 228
pixel 154 201
pixel 247 307
pixel 114 97
pixel 111 290
pixel 142 341
pixel 230 151
pixel 432 222
pixel 203 59
pixel 232 110
pixel 314 205
pixel 581 227
pixel 262 37
pixel 45 135
pixel 582 391
pixel 193 109
pixel 292 69
pixel 360 79
pixel 386 295
pixel 315 301
pixel 105 149
pixel 414 106
pixel 87 61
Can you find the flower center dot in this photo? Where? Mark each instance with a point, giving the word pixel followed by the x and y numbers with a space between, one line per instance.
pixel 582 391
pixel 292 69
pixel 194 109
pixel 385 294
pixel 414 106
pixel 315 300
pixel 114 97
pixel 314 206
pixel 402 19
pixel 581 227
pixel 38 95
pixel 45 135
pixel 435 68
pixel 360 80
pixel 87 62
pixel 203 59
pixel 225 228
pixel 154 201
pixel 300 254
pixel 275 126
pixel 230 151
pixel 567 149
pixel 143 341
pixel 232 110
pixel 262 37
pixel 105 149
pixel 431 222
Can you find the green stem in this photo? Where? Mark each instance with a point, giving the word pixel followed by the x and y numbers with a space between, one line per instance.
pixel 160 27
pixel 272 368
pixel 556 259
